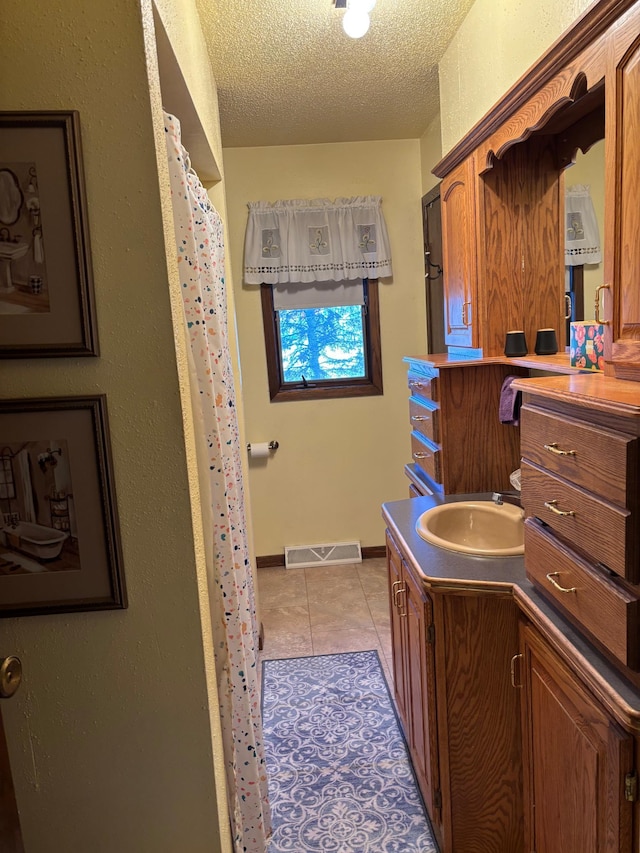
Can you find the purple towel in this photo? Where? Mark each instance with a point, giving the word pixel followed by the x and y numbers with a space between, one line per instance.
pixel 510 401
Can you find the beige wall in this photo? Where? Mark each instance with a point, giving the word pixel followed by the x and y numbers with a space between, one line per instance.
pixel 430 153
pixel 495 45
pixel 110 735
pixel 338 460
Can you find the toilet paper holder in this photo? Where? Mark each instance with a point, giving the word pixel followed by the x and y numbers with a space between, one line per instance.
pixel 273 445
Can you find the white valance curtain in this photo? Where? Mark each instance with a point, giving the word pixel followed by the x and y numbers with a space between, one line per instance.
pixel 582 236
pixel 316 240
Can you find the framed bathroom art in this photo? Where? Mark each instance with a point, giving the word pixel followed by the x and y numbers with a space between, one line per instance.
pixel 46 284
pixel 59 533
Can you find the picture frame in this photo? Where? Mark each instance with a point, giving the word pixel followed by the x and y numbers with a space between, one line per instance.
pixel 47 306
pixel 59 533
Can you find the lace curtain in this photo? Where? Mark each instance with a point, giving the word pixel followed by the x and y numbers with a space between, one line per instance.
pixel 200 252
pixel 316 240
pixel 582 236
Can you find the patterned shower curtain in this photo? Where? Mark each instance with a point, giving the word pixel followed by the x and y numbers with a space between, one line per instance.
pixel 200 251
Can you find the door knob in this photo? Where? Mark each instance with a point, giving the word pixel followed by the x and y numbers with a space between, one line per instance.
pixel 10 676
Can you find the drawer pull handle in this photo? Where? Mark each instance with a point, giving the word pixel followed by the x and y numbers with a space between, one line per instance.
pixel 396 587
pixel 553 448
pixel 417 385
pixel 465 313
pixel 514 659
pixel 597 305
pixel 422 455
pixel 551 577
pixel 553 506
pixel 419 418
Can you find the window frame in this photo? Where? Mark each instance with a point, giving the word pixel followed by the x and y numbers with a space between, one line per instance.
pixel 367 386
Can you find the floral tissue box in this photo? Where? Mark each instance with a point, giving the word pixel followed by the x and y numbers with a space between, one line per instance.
pixel 587 346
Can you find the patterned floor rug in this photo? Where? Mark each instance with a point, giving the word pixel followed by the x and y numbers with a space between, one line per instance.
pixel 340 779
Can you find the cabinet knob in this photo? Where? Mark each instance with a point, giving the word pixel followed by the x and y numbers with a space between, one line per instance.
pixel 553 448
pixel 514 661
pixel 551 577
pixel 597 305
pixel 553 507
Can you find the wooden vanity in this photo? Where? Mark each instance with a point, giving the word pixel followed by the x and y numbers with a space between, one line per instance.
pixel 517 680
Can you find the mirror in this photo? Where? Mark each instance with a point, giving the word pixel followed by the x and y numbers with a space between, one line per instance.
pixel 11 197
pixel 587 171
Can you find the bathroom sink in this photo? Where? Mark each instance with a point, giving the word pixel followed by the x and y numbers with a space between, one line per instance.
pixel 12 251
pixel 474 527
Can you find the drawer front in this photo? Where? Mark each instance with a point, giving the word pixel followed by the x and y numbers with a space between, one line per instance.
pixel 600 460
pixel 423 386
pixel 424 420
pixel 426 457
pixel 608 612
pixel 600 529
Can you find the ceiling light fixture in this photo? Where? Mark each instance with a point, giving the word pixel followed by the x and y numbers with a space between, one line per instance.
pixel 355 23
pixel 356 19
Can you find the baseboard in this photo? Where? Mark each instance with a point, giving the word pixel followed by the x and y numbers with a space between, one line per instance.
pixel 272 560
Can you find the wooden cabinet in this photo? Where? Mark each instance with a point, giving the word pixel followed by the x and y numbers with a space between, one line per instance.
pixel 582 536
pixel 622 176
pixel 458 444
pixel 503 193
pixel 458 708
pixel 459 257
pixel 576 760
pixel 412 634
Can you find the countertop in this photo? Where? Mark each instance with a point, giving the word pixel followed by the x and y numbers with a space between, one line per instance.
pixel 443 571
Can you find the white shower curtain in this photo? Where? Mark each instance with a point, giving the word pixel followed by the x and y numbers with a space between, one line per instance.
pixel 200 252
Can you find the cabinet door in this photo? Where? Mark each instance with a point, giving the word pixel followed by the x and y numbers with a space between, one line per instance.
pixel 421 659
pixel 397 604
pixel 575 760
pixel 622 300
pixel 459 256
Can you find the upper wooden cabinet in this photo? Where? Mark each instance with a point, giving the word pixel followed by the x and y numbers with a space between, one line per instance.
pixel 459 246
pixel 507 256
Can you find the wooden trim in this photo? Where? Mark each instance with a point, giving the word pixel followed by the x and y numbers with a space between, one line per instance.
pixel 369 386
pixel 374 552
pixel 273 560
pixel 595 21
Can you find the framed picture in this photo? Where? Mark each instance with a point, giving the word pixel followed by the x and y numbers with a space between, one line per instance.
pixel 46 285
pixel 59 536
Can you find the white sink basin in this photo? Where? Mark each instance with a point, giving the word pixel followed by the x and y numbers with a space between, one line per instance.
pixel 474 527
pixel 12 251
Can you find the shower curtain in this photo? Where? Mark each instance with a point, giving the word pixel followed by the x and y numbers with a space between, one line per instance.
pixel 200 251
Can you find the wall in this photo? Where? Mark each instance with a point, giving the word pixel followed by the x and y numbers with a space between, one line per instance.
pixel 339 460
pixel 473 78
pixel 110 735
pixel 430 153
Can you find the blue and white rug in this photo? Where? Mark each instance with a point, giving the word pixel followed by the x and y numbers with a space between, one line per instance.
pixel 340 779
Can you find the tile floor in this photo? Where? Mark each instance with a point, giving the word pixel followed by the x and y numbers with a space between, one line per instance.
pixel 326 609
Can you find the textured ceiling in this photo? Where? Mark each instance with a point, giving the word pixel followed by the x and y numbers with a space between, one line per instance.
pixel 288 74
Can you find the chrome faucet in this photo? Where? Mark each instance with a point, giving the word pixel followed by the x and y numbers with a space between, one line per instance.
pixel 500 498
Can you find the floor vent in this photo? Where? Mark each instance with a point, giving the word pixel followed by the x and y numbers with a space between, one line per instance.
pixel 305 556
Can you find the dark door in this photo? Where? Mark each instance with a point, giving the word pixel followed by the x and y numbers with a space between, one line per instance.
pixel 432 231
pixel 10 835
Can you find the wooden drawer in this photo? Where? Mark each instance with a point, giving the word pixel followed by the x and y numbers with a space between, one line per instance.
pixel 426 457
pixel 600 460
pixel 601 530
pixel 595 602
pixel 424 420
pixel 424 386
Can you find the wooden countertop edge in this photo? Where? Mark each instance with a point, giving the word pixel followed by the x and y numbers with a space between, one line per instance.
pixel 551 363
pixel 579 663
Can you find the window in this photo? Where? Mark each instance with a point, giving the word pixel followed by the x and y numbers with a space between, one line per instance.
pixel 327 351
